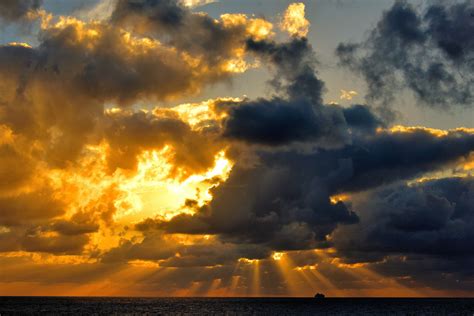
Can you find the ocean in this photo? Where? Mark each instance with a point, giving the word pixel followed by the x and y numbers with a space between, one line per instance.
pixel 234 306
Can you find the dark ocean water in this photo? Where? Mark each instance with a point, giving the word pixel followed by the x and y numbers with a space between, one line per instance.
pixel 232 306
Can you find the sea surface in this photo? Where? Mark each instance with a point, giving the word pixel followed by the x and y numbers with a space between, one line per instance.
pixel 234 306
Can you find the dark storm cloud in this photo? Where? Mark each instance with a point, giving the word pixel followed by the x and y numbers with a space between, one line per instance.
pixel 434 217
pixel 279 122
pixel 283 201
pixel 448 273
pixel 296 114
pixel 390 156
pixel 431 53
pixel 374 159
pixel 295 67
pixel 13 10
pixel 432 222
pixel 267 205
pixel 360 118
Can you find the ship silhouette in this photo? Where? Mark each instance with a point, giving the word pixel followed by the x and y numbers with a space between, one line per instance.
pixel 319 296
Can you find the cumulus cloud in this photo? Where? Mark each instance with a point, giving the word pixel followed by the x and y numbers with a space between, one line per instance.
pixel 296 113
pixel 194 33
pixel 401 154
pixel 430 221
pixel 285 194
pixel 433 216
pixel 89 64
pixel 99 61
pixel 294 21
pixel 284 201
pixel 428 53
pixel 194 151
pixel 279 122
pixel 46 138
pixel 84 77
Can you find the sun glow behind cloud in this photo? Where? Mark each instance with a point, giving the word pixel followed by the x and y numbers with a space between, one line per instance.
pixel 149 191
pixel 152 192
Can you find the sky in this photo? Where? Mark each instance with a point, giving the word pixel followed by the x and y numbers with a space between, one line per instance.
pixel 236 148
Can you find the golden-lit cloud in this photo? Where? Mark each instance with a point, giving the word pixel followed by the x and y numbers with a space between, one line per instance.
pixel 469 164
pixel 347 94
pixel 294 20
pixel 195 3
pixel 26 45
pixel 339 198
pixel 438 133
pixel 277 255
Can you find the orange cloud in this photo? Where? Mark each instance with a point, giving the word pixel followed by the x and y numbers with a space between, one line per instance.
pixel 294 21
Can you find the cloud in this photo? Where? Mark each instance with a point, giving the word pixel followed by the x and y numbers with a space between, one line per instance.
pixel 101 10
pixel 27 208
pixel 361 117
pixel 266 206
pixel 392 155
pixel 279 122
pixel 61 152
pixel 71 228
pixel 197 34
pixel 284 197
pixel 431 217
pixel 128 134
pixel 16 164
pixel 283 201
pixel 347 95
pixel 428 53
pixel 197 3
pixel 89 65
pixel 171 252
pixel 294 62
pixel 297 114
pixel 14 10
pixel 403 224
pixel 294 21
